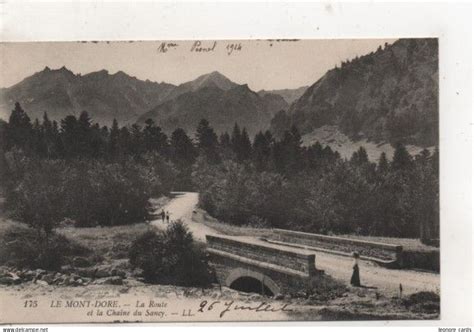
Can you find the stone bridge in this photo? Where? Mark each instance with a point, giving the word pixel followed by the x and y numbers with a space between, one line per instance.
pixel 250 265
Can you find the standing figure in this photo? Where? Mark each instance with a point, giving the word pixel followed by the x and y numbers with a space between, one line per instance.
pixel 355 279
pixel 167 217
pixel 163 215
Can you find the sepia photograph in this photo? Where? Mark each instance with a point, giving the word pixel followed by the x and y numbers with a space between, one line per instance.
pixel 220 180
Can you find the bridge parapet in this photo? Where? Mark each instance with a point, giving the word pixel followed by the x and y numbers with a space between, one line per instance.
pixel 280 269
pixel 385 254
pixel 288 258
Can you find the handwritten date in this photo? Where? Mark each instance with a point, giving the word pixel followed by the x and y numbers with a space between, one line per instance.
pixel 225 307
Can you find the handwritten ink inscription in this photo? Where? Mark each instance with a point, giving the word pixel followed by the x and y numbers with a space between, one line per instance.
pixel 227 306
pixel 201 47
pixel 165 47
pixel 233 47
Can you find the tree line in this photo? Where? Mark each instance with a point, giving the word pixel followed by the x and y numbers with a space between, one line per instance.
pixel 102 175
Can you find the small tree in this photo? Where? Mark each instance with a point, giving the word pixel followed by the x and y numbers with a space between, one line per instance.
pixel 39 197
pixel 170 257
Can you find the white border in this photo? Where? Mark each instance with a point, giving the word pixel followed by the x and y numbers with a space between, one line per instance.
pixel 22 21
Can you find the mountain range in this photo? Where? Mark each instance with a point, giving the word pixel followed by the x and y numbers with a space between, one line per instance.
pixel 390 95
pixel 223 102
pixel 383 97
pixel 105 97
pixel 119 96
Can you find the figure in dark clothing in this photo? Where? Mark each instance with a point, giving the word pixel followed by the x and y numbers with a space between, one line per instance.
pixel 167 217
pixel 355 279
pixel 163 215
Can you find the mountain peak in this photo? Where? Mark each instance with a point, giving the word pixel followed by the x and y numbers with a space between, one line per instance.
pixel 214 78
pixel 121 74
pixel 63 69
pixel 216 74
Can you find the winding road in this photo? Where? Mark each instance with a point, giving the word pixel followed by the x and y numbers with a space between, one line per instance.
pixel 386 281
pixel 181 207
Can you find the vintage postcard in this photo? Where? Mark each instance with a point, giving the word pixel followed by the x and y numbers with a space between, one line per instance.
pixel 219 180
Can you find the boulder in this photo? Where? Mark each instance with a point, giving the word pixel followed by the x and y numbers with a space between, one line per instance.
pixel 49 278
pixel 137 272
pixel 89 272
pixel 66 268
pixel 6 280
pixel 28 275
pixel 58 280
pixel 81 262
pixel 103 271
pixel 116 280
pixel 15 278
pixel 40 272
pixel 120 273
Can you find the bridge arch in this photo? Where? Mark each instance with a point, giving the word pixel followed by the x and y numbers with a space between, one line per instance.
pixel 239 274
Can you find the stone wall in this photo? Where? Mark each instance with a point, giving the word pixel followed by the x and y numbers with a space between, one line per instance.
pixel 282 270
pixel 272 254
pixel 369 249
pixel 424 260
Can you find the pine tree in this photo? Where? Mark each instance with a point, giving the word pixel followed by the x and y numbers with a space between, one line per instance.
pixel 261 151
pixel 401 158
pixel 124 140
pixel 207 141
pixel 136 140
pixel 114 139
pixel 224 140
pixel 154 138
pixel 19 129
pixel 360 157
pixel 183 152
pixel 287 153
pixel 83 135
pixel 235 139
pixel 50 139
pixel 69 136
pixel 245 146
pixel 38 143
pixel 383 163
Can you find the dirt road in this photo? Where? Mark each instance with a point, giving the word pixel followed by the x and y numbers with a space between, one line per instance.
pixel 385 280
pixel 181 207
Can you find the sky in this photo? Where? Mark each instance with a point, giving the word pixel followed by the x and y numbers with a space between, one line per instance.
pixel 262 64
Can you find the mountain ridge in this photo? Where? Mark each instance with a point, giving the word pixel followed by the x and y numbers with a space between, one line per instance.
pixel 390 95
pixel 222 108
pixel 60 92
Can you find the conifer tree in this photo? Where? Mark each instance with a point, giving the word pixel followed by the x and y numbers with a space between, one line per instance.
pixel 360 157
pixel 401 158
pixel 262 149
pixel 154 138
pixel 114 139
pixel 207 141
pixel 19 129
pixel 182 149
pixel 383 163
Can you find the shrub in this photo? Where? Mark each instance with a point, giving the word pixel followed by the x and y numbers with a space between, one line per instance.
pixel 38 198
pixel 423 302
pixel 107 194
pixel 25 249
pixel 170 257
